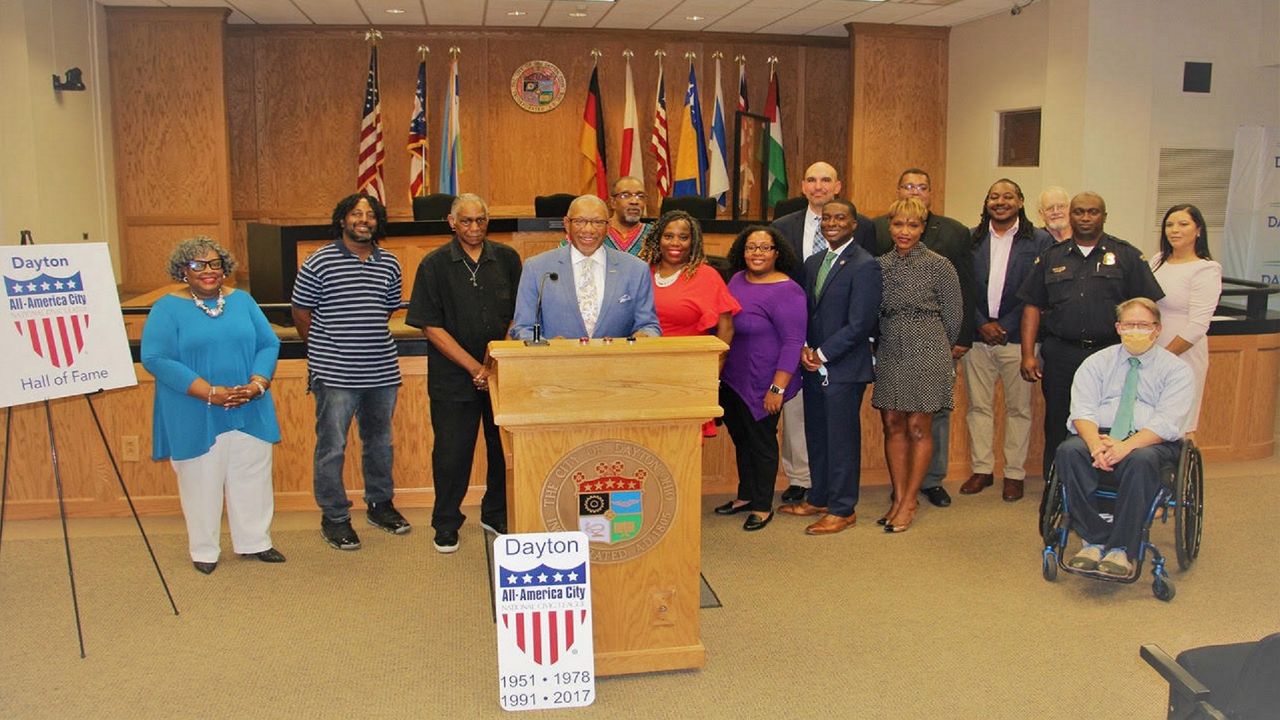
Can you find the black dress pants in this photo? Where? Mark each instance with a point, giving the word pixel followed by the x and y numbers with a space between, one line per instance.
pixel 755 446
pixel 455 425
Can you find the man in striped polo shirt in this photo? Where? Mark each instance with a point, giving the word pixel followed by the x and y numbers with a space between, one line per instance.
pixel 342 298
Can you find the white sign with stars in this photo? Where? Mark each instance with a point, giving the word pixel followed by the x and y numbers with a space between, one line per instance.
pixel 542 585
pixel 64 330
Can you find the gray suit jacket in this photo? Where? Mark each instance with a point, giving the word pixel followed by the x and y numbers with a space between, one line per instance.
pixel 627 307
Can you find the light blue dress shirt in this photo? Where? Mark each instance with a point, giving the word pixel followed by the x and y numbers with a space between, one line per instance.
pixel 1166 387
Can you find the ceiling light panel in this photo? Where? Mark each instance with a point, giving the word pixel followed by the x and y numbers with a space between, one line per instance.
pixel 378 15
pixel 454 12
pixel 497 13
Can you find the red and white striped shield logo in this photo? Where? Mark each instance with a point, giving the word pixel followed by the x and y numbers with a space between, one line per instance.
pixel 48 315
pixel 545 635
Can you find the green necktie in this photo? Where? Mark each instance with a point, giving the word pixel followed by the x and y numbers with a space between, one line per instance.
pixel 1122 427
pixel 823 271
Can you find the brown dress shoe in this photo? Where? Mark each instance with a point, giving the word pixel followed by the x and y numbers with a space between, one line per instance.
pixel 831 524
pixel 803 509
pixel 1012 490
pixel 976 483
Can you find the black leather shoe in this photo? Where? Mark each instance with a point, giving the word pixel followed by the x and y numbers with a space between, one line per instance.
pixel 204 567
pixel 730 509
pixel 793 494
pixel 270 555
pixel 755 524
pixel 937 495
pixel 497 527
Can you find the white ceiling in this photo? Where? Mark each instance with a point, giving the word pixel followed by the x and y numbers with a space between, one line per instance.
pixel 778 17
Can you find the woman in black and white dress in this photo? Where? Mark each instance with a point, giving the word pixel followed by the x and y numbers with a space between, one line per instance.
pixel 920 315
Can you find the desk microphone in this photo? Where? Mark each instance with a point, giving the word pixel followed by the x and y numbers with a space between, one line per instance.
pixel 537 325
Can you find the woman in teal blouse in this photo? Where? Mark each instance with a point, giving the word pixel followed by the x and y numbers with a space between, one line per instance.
pixel 213 353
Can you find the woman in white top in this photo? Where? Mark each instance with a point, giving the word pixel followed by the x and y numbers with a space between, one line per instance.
pixel 1192 283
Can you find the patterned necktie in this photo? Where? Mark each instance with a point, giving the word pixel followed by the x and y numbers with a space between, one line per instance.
pixel 1123 427
pixel 825 270
pixel 816 243
pixel 587 295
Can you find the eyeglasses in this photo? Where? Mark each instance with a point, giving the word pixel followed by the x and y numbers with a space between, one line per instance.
pixel 198 265
pixel 759 248
pixel 914 187
pixel 630 196
pixel 584 223
pixel 1144 326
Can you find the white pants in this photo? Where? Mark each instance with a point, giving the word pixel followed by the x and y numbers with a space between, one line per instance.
pixel 982 365
pixel 239 465
pixel 795 454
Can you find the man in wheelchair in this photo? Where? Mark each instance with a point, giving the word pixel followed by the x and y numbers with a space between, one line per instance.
pixel 1128 407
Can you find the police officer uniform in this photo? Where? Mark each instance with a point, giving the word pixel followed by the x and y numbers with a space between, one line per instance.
pixel 1077 296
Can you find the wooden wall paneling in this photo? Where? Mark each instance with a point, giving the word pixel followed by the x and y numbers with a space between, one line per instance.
pixel 146 265
pixel 899 110
pixel 169 127
pixel 242 140
pixel 824 122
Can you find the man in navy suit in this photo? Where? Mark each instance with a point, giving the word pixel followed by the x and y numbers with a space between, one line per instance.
pixel 1006 246
pixel 801 229
pixel 843 285
pixel 587 290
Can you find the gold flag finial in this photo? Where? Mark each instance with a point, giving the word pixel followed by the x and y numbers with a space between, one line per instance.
pixel 372 36
pixel 423 50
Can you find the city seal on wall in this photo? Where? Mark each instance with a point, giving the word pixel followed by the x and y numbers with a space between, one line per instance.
pixel 620 494
pixel 537 86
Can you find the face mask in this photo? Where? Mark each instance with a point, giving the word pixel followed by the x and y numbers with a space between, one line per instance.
pixel 1137 341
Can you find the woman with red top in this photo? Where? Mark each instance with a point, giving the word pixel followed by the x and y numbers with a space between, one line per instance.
pixel 689 294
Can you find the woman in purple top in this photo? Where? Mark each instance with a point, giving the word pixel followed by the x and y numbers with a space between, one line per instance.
pixel 760 369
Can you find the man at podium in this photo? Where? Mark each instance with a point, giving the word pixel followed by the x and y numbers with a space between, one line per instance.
pixel 584 289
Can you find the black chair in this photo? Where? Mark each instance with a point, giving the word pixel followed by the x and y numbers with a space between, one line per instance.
pixel 1239 681
pixel 552 206
pixel 721 265
pixel 790 205
pixel 701 208
pixel 432 207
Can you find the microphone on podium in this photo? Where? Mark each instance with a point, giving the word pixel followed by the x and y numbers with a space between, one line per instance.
pixel 537 325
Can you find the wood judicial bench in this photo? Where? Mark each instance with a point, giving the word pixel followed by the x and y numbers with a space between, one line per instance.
pixel 1238 420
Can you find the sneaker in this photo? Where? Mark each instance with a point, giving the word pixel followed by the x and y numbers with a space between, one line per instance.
pixel 1087 558
pixel 498 527
pixel 384 516
pixel 446 541
pixel 1116 562
pixel 340 534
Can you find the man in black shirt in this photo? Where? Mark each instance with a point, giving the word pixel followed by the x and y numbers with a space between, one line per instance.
pixel 1075 286
pixel 464 296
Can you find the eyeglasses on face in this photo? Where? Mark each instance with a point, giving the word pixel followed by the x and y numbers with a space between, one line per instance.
pixel 1143 326
pixel 759 248
pixel 198 265
pixel 914 187
pixel 630 196
pixel 584 223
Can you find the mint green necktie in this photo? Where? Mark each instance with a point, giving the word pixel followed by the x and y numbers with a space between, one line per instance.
pixel 823 271
pixel 1122 427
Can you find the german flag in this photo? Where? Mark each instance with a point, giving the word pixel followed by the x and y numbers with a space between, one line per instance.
pixel 595 178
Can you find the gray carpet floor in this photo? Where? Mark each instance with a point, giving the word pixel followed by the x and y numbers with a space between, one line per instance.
pixel 948 620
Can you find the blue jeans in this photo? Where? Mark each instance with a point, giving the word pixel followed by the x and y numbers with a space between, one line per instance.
pixel 372 408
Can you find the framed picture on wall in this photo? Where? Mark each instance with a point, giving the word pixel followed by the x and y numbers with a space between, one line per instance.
pixel 750 132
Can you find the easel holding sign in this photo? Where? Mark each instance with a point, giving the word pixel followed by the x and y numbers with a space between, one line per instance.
pixel 61 302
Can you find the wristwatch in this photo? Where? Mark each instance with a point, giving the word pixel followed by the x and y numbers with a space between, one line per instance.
pixel 776 390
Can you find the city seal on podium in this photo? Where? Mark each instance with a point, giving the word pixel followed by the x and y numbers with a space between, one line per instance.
pixel 620 494
pixel 537 86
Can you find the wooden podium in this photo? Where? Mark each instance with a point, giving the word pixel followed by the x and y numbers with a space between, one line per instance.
pixel 606 438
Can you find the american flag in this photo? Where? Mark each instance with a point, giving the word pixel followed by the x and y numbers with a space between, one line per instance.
pixel 661 150
pixel 417 145
pixel 742 87
pixel 372 152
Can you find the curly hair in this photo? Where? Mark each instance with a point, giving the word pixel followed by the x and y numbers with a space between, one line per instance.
pixel 651 251
pixel 346 204
pixel 984 220
pixel 786 262
pixel 192 248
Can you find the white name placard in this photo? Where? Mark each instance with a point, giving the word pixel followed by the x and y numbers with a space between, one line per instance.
pixel 543 588
pixel 64 334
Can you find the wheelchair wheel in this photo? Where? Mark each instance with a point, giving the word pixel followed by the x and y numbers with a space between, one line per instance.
pixel 1051 508
pixel 1163 588
pixel 1189 513
pixel 1049 564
